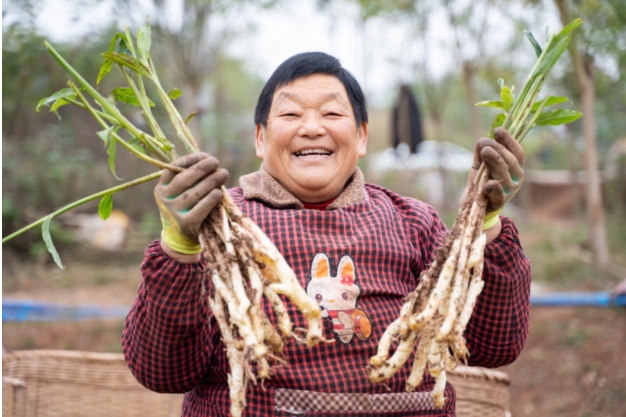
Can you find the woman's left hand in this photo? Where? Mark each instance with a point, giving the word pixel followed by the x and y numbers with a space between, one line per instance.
pixel 504 159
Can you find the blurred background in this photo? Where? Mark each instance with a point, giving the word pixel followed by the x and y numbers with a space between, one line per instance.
pixel 422 63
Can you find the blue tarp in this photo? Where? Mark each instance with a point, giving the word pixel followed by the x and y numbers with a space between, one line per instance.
pixel 29 310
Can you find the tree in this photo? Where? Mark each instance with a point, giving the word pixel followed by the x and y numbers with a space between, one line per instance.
pixel 583 67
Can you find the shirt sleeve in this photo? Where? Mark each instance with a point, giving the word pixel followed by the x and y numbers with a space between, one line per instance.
pixel 166 340
pixel 498 328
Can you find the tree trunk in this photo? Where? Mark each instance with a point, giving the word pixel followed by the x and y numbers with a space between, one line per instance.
pixel 468 80
pixel 595 209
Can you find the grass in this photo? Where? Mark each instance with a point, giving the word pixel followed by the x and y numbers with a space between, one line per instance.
pixel 561 256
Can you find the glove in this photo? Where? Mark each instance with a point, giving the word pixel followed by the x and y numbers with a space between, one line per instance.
pixel 185 199
pixel 504 160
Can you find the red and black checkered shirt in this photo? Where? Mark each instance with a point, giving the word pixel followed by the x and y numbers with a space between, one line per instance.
pixel 172 343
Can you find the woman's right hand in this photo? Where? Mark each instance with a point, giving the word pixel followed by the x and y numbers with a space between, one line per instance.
pixel 185 199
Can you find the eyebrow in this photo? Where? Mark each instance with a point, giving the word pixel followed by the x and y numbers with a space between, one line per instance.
pixel 326 97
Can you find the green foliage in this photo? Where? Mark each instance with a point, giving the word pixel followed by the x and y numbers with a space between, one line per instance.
pixel 106 206
pixel 45 231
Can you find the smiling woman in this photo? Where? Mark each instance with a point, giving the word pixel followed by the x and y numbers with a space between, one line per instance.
pixel 357 248
pixel 311 142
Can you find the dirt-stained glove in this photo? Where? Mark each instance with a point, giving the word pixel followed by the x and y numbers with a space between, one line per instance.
pixel 504 159
pixel 185 199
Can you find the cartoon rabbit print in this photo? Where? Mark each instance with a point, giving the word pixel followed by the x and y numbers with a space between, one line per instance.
pixel 337 296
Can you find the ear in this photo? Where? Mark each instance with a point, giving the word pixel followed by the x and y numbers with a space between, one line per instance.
pixel 320 268
pixel 346 268
pixel 259 141
pixel 362 135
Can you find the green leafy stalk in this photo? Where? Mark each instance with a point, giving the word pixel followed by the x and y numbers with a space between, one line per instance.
pixel 82 201
pixel 117 138
pixel 125 123
pixel 182 130
pixel 526 104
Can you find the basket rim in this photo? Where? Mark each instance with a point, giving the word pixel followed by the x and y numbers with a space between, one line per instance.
pixel 482 373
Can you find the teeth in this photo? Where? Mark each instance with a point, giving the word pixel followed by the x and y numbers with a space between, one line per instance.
pixel 313 152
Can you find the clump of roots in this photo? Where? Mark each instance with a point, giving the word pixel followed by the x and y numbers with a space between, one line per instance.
pixel 243 265
pixel 435 315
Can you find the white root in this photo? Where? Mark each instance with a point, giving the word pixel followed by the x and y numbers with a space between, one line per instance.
pixel 391 366
pixel 477 250
pixel 440 307
pixel 385 343
pixel 282 317
pixel 460 275
pixel 236 378
pixel 476 286
pixel 419 363
pixel 241 264
pixel 420 320
pixel 440 386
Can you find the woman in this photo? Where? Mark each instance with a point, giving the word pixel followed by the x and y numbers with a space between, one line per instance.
pixel 357 248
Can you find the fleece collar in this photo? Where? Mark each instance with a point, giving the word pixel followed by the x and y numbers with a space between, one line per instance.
pixel 262 186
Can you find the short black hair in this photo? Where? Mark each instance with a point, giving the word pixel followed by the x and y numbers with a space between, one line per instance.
pixel 302 65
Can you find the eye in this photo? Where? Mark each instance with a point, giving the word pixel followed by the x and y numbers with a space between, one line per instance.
pixel 344 295
pixel 318 298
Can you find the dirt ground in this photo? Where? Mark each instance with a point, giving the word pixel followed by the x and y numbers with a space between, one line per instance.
pixel 573 365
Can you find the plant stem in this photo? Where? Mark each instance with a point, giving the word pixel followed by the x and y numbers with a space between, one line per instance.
pixel 85 200
pixel 532 121
pixel 118 138
pixel 182 130
pixel 147 113
pixel 99 98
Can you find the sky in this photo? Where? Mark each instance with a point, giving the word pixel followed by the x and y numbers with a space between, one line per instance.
pixel 376 53
pixel 380 54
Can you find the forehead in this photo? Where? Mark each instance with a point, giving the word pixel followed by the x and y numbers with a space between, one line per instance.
pixel 312 89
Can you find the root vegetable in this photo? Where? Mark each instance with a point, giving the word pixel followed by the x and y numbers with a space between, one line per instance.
pixel 435 315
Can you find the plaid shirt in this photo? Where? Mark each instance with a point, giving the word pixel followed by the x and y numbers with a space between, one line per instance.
pixel 172 343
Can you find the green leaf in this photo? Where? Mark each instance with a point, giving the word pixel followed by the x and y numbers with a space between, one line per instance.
pixel 106 134
pixel 112 44
pixel 64 93
pixel 501 83
pixel 143 40
pixel 556 48
pixel 127 95
pixel 191 116
pixel 552 100
pixel 106 206
pixel 497 122
pixel 45 232
pixel 127 61
pixel 534 43
pixel 58 103
pixel 569 28
pixel 557 117
pixel 136 144
pixel 174 94
pixel 507 97
pixel 104 70
pixel 111 150
pixel 495 104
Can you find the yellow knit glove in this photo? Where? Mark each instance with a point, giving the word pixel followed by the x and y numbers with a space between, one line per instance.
pixel 173 237
pixel 491 218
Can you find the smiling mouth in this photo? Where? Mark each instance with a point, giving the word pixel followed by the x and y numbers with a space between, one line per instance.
pixel 313 152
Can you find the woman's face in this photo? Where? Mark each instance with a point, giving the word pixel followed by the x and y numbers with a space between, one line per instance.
pixel 311 144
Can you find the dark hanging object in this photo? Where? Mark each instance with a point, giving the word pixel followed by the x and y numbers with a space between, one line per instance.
pixel 406 123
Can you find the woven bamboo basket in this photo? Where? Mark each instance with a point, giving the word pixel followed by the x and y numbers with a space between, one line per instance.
pixel 50 383
pixel 480 392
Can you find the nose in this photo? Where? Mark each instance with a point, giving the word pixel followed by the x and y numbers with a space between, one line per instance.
pixel 312 126
pixel 331 301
